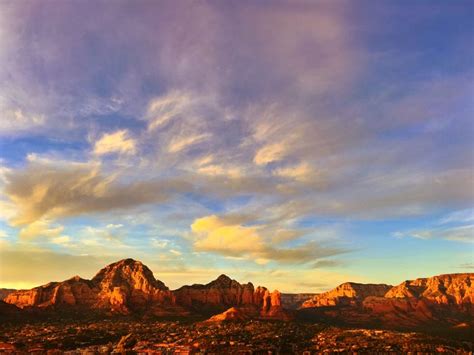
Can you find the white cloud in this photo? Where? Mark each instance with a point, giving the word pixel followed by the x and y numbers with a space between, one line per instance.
pixel 180 143
pixel 270 153
pixel 41 228
pixel 117 142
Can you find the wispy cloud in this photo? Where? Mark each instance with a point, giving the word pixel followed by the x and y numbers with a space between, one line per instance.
pixel 117 142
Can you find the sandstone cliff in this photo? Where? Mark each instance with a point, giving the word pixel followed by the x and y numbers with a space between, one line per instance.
pixel 346 294
pixel 4 292
pixel 443 289
pixel 224 293
pixel 128 286
pixel 295 300
pixel 120 287
pixel 442 301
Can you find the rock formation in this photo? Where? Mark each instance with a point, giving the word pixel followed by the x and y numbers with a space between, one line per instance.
pixel 346 294
pixel 75 291
pixel 443 289
pixel 120 287
pixel 295 300
pixel 232 314
pixel 128 286
pixel 4 292
pixel 223 293
pixel 446 300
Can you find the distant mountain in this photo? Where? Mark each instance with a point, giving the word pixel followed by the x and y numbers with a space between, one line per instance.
pixel 348 293
pixel 128 286
pixel 121 287
pixel 295 300
pixel 440 301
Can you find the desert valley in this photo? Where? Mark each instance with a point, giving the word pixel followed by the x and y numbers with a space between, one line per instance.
pixel 220 177
pixel 124 308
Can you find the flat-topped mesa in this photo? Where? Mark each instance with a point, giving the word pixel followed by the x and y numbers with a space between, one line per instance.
pixel 346 294
pixel 442 289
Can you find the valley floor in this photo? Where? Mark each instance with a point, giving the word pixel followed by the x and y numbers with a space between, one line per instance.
pixel 251 337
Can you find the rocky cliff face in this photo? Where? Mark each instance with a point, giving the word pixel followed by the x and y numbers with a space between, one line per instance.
pixel 120 287
pixel 295 300
pixel 349 293
pixel 442 301
pixel 128 286
pixel 4 292
pixel 443 289
pixel 448 298
pixel 75 291
pixel 224 293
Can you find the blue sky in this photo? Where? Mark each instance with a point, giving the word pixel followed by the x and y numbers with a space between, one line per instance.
pixel 296 144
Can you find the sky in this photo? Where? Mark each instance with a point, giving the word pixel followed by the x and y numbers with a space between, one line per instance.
pixel 294 144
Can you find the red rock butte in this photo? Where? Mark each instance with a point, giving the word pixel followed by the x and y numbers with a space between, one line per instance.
pixel 129 286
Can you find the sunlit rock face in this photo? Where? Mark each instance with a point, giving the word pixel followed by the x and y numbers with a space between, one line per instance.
pixel 75 291
pixel 128 284
pixel 349 293
pixel 224 293
pixel 443 289
pixel 424 299
pixel 119 287
pixel 441 300
pixel 4 292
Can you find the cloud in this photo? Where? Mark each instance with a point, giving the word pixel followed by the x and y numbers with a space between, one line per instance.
pixel 300 172
pixel 117 142
pixel 46 189
pixel 269 153
pixel 41 228
pixel 466 266
pixel 163 109
pixel 454 226
pixel 230 238
pixel 180 143
pixel 463 216
pixel 326 263
pixel 16 120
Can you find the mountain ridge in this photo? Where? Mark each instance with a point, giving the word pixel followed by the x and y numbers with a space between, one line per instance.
pixel 128 286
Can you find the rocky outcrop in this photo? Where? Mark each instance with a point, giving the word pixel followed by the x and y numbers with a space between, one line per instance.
pixel 295 300
pixel 128 286
pixel 446 298
pixel 120 287
pixel 438 301
pixel 4 292
pixel 224 293
pixel 346 294
pixel 75 291
pixel 219 294
pixel 233 314
pixel 455 289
